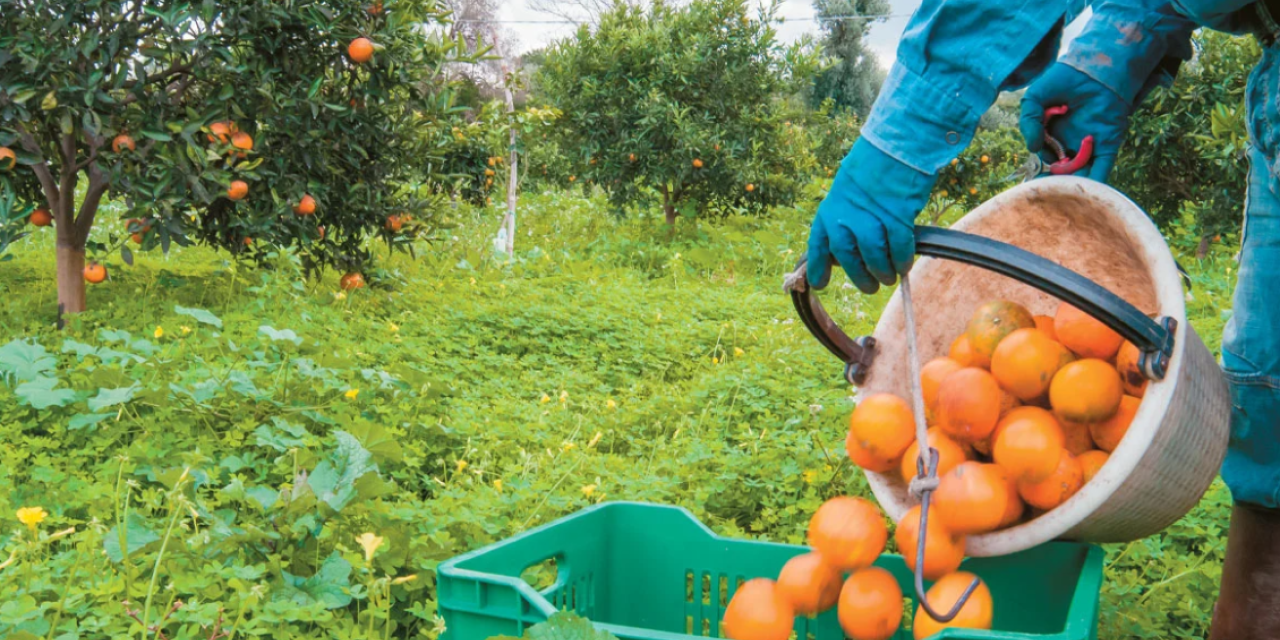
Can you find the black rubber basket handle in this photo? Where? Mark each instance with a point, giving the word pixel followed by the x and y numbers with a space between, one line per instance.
pixel 1154 340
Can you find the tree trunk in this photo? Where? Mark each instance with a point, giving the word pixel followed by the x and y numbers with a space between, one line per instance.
pixel 510 222
pixel 1203 249
pixel 70 272
pixel 668 206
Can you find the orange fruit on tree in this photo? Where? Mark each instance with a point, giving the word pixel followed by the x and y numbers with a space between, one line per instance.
pixel 1045 324
pixel 1090 463
pixel 870 606
pixel 220 131
pixel 248 242
pixel 237 190
pixel 7 158
pixel 1086 391
pixel 950 454
pixel 1108 433
pixel 961 352
pixel 750 187
pixel 631 157
pixel 375 8
pixel 931 376
pixel 572 178
pixel 1015 506
pixel 943 550
pixel 990 324
pixel 1078 439
pixel 122 142
pixel 849 532
pixel 306 206
pixel 972 498
pixel 41 218
pixel 1135 384
pixel 1025 361
pixel 95 273
pixel 243 142
pixel 360 50
pixel 697 163
pixel 1084 334
pixel 351 280
pixel 758 611
pixel 969 403
pixel 883 426
pixel 1054 490
pixel 321 230
pixel 394 222
pixel 865 459
pixel 809 584
pixel 1028 443
pixel 944 594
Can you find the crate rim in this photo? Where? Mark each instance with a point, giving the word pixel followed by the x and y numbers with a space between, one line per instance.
pixel 1083 600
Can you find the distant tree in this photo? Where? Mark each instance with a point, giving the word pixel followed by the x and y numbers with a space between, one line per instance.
pixel 854 77
pixel 588 11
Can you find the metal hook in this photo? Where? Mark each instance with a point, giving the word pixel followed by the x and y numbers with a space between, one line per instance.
pixel 921 537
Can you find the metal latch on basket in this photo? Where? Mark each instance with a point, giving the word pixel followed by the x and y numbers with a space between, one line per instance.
pixel 1154 363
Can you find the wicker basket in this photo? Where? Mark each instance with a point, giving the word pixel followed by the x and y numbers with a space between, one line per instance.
pixel 1178 439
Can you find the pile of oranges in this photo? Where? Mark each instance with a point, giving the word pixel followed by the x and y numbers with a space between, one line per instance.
pixel 1023 412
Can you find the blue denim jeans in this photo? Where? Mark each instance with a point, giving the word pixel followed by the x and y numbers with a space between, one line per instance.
pixel 1251 341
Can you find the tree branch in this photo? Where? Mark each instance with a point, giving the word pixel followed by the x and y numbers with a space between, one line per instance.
pixel 67 177
pixel 41 169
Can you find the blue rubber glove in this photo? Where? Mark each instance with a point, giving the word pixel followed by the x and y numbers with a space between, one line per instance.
pixel 867 221
pixel 1092 109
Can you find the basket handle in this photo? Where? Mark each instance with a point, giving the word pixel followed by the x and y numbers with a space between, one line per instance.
pixel 1154 340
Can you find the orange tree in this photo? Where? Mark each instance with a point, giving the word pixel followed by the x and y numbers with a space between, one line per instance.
pixel 690 102
pixel 315 106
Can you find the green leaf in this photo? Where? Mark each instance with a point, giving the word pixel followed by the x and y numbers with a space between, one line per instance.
pixel 199 314
pixel 563 625
pixel 265 496
pixel 374 437
pixel 111 397
pixel 329 586
pixel 334 480
pixel 136 534
pixel 158 136
pixel 40 393
pixel 286 335
pixel 25 360
pixel 83 420
pixel 283 436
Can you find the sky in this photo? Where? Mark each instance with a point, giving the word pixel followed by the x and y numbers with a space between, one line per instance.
pixel 798 15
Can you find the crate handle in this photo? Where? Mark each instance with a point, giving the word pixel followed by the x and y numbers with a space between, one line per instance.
pixel 1154 340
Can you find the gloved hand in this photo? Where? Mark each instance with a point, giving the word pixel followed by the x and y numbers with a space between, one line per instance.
pixel 1092 109
pixel 867 221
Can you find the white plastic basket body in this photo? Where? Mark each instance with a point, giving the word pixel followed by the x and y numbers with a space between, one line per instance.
pixel 1178 438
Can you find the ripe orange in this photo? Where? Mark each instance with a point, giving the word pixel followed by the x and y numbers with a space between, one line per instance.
pixel 991 323
pixel 1078 438
pixel 1087 336
pixel 572 178
pixel 351 281
pixel 697 163
pixel 984 159
pixel 95 273
pixel 1086 391
pixel 1063 483
pixel 631 157
pixel 493 161
pixel 1045 324
pixel 883 426
pixel 931 377
pixel 238 190
pixel 488 172
pixel 1015 506
pixel 944 594
pixel 1135 384
pixel 969 404
pixel 943 550
pixel 41 218
pixel 950 454
pixel 375 8
pixel 972 498
pixel 306 206
pixel 123 141
pixel 248 242
pixel 1108 433
pixel 7 158
pixel 750 187
pixel 758 611
pixel 360 50
pixel 394 223
pixel 1025 361
pixel 321 230
pixel 870 605
pixel 849 532
pixel 809 584
pixel 1090 463
pixel 864 459
pixel 221 131
pixel 243 142
pixel 1028 444
pixel 961 352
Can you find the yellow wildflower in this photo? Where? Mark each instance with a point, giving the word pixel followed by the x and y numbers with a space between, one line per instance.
pixel 403 579
pixel 352 393
pixel 393 326
pixel 159 333
pixel 473 282
pixel 564 396
pixel 497 484
pixel 544 399
pixel 32 516
pixel 715 360
pixel 462 464
pixel 588 490
pixel 809 475
pixel 370 543
pixel 185 330
pixel 738 352
pixel 567 446
pixel 611 404
pixel 340 295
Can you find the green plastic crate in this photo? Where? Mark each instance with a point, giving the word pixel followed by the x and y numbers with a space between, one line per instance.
pixel 652 572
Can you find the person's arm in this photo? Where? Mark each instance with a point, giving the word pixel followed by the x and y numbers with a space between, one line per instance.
pixel 1132 46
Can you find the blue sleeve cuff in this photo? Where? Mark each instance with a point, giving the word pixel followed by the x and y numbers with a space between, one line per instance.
pixel 923 125
pixel 1126 42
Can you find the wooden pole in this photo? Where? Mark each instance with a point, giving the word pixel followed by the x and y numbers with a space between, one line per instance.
pixel 509 223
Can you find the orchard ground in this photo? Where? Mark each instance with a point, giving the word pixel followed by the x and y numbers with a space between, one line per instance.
pixel 455 402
